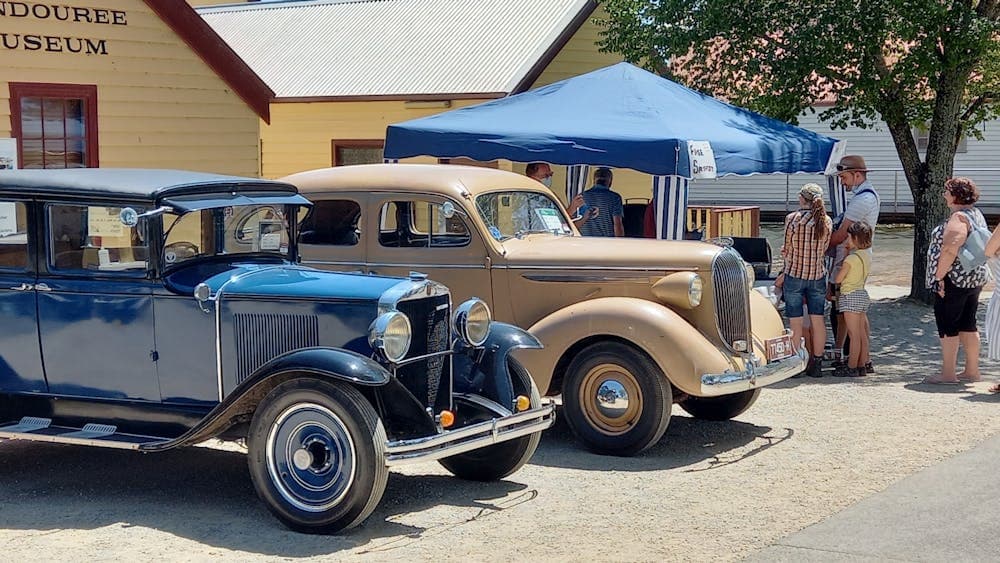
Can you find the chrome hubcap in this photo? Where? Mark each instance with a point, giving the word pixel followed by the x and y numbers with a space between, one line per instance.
pixel 612 399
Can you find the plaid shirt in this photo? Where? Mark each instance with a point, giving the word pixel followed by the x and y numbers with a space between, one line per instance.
pixel 804 252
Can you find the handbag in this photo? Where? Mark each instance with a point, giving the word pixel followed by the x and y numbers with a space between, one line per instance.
pixel 973 252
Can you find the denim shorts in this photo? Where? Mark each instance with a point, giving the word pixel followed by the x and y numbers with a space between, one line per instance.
pixel 799 292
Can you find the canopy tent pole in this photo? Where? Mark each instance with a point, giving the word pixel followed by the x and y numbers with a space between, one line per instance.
pixel 576 180
pixel 670 200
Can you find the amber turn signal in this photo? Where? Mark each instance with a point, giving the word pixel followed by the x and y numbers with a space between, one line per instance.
pixel 447 418
pixel 522 403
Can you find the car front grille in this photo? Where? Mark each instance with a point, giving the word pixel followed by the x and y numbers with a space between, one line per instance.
pixel 732 299
pixel 262 337
pixel 428 379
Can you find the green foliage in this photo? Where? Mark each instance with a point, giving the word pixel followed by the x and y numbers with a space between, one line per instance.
pixel 780 57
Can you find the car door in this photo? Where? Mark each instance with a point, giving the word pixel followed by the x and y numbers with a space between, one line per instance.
pixel 332 235
pixel 20 355
pixel 410 233
pixel 95 306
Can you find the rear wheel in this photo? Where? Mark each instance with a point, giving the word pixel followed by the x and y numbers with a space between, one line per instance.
pixel 317 455
pixel 720 408
pixel 615 399
pixel 498 461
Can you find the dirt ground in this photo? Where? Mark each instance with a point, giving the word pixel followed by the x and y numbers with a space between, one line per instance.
pixel 707 491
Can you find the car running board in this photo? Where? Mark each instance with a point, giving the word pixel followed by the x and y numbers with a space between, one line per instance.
pixel 102 435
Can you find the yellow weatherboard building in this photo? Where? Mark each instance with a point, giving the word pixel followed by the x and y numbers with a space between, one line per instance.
pixel 343 71
pixel 124 83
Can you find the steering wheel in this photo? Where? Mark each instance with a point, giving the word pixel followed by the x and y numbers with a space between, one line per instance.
pixel 177 251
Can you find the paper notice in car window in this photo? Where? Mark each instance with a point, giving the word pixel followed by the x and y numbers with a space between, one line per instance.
pixel 550 218
pixel 8 219
pixel 104 222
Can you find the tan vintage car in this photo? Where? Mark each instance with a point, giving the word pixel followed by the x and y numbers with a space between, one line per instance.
pixel 630 326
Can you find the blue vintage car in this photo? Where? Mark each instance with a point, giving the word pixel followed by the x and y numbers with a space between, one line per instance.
pixel 152 309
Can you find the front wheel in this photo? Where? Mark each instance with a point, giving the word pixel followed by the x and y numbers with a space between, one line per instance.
pixel 720 408
pixel 615 399
pixel 317 455
pixel 498 461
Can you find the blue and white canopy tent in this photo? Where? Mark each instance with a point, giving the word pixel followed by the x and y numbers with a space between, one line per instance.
pixel 623 117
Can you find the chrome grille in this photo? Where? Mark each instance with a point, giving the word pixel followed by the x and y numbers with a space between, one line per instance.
pixel 429 379
pixel 732 298
pixel 262 337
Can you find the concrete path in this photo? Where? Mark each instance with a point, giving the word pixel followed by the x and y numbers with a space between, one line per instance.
pixel 947 512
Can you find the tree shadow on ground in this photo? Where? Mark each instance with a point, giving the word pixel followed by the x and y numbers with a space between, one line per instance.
pixel 688 442
pixel 206 495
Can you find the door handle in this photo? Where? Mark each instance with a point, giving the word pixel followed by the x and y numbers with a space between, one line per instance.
pixel 22 287
pixel 42 287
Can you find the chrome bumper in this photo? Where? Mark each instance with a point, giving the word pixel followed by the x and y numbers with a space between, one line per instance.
pixel 754 375
pixel 452 442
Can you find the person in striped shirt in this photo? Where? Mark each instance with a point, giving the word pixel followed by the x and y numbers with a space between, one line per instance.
pixel 608 220
pixel 807 234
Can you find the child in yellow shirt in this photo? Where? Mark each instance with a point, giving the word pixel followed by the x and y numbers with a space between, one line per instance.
pixel 854 301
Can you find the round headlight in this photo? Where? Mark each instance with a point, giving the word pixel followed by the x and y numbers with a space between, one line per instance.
pixel 695 289
pixel 472 321
pixel 390 333
pixel 751 275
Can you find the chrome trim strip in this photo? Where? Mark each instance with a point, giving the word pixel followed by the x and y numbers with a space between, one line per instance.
pixel 752 376
pixel 334 263
pixel 430 266
pixel 449 443
pixel 408 361
pixel 587 279
pixel 561 268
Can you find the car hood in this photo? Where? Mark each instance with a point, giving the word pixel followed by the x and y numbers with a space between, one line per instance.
pixel 543 249
pixel 288 281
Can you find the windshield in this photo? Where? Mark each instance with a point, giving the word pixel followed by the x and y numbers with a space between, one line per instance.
pixel 515 213
pixel 237 229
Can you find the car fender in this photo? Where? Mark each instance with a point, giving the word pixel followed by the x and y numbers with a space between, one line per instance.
pixel 239 405
pixel 677 347
pixel 487 364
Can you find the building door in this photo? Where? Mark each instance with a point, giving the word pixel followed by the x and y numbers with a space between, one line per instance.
pixel 20 355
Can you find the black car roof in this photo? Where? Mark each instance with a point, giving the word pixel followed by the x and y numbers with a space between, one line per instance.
pixel 131 183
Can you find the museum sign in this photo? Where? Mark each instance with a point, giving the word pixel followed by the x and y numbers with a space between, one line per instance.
pixel 62 13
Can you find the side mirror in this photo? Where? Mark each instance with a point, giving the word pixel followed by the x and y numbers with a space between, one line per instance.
pixel 448 209
pixel 129 217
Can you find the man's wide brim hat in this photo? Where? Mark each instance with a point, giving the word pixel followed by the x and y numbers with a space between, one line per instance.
pixel 852 163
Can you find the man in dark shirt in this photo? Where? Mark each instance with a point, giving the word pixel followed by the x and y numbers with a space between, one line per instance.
pixel 608 222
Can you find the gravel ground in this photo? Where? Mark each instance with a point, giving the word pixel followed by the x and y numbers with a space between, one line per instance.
pixel 707 491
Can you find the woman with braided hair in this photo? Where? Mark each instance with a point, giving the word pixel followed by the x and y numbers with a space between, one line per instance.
pixel 807 234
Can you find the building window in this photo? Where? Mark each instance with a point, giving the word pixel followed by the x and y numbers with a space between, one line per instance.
pixel 55 125
pixel 349 152
pixel 921 135
pixel 462 161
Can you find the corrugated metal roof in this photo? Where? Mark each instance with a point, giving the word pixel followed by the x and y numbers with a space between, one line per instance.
pixel 324 48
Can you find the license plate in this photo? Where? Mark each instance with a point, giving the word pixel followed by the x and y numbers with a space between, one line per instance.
pixel 779 347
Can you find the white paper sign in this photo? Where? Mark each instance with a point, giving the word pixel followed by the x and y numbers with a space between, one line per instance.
pixel 702 159
pixel 550 218
pixel 104 222
pixel 8 219
pixel 8 154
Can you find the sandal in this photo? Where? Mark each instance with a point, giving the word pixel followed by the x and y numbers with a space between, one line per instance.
pixel 995 388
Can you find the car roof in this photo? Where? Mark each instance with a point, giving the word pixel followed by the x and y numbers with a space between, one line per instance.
pixel 444 179
pixel 131 183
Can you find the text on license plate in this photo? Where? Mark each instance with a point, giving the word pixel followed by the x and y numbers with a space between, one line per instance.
pixel 779 347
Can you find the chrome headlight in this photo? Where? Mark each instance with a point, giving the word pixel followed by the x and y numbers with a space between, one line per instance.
pixel 472 321
pixel 695 289
pixel 751 275
pixel 390 333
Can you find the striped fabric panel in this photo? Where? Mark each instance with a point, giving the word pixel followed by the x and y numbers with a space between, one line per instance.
pixel 576 180
pixel 837 194
pixel 670 199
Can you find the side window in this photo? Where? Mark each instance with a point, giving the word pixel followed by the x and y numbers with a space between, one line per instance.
pixel 332 222
pixel 414 224
pixel 93 238
pixel 13 235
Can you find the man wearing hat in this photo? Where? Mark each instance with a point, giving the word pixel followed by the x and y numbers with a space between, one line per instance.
pixel 608 221
pixel 862 207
